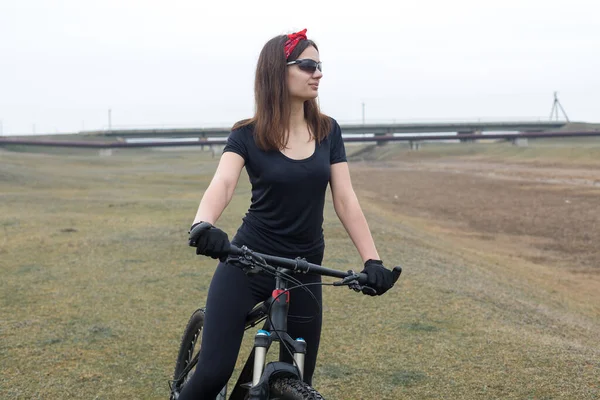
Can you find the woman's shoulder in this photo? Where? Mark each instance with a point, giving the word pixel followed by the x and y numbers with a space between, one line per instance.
pixel 242 130
pixel 334 127
pixel 245 125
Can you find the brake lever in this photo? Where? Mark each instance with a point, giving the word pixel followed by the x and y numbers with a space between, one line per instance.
pixel 352 282
pixel 366 290
pixel 349 280
pixel 357 287
pixel 245 264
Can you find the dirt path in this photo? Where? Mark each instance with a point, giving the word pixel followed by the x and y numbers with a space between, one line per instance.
pixel 548 215
pixel 513 172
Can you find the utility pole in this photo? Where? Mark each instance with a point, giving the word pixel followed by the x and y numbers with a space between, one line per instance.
pixel 1 128
pixel 109 120
pixel 555 106
pixel 363 112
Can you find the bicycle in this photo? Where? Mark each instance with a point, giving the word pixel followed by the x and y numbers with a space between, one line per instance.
pixel 276 380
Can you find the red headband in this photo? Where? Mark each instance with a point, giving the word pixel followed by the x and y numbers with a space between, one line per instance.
pixel 293 40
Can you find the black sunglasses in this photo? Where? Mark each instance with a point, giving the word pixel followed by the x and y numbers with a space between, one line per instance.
pixel 307 65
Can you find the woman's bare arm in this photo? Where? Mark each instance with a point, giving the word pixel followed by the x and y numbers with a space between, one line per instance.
pixel 220 191
pixel 350 213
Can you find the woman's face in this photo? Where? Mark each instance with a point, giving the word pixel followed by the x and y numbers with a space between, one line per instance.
pixel 304 84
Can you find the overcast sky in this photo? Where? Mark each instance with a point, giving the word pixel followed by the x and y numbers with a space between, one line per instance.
pixel 175 63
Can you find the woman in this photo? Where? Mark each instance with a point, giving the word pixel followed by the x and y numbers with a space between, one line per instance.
pixel 291 153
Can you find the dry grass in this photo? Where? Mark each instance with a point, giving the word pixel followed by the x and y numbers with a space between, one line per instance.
pixel 96 284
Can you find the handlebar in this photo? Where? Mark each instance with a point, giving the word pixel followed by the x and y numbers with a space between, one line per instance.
pixel 302 266
pixel 349 278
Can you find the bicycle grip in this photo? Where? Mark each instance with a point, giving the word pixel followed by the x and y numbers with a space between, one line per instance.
pixel 396 272
pixel 195 232
pixel 362 277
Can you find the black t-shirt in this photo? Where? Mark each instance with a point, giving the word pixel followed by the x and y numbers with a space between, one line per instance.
pixel 286 212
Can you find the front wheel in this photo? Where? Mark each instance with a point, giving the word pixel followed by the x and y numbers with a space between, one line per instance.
pixel 292 389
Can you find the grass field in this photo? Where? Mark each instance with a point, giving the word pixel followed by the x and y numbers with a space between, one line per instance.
pixel 499 299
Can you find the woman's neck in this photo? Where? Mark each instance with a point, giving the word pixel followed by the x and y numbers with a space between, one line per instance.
pixel 297 120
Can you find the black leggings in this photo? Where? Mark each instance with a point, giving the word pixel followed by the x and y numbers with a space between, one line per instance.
pixel 232 294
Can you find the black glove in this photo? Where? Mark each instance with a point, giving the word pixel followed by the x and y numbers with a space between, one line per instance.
pixel 209 241
pixel 378 277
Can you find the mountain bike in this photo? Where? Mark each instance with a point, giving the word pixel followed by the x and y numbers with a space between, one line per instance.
pixel 276 380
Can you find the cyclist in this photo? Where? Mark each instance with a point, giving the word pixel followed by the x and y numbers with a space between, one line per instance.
pixel 291 152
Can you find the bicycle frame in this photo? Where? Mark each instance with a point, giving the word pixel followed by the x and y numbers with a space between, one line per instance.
pixel 254 368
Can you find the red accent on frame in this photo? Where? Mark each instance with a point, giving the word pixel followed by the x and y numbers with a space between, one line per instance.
pixel 277 295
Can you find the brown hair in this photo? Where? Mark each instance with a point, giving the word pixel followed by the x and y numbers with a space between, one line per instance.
pixel 272 107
